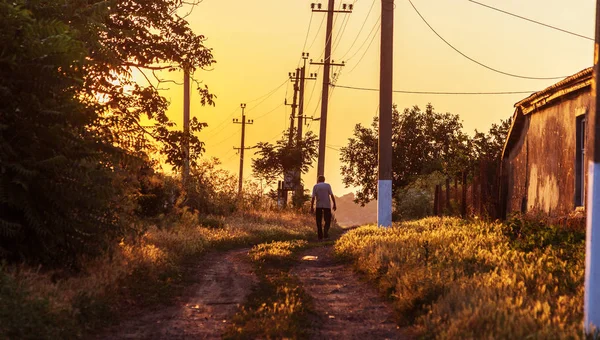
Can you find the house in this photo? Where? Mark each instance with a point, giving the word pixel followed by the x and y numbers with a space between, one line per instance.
pixel 543 161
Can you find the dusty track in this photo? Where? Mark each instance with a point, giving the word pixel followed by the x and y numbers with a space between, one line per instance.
pixel 351 309
pixel 223 280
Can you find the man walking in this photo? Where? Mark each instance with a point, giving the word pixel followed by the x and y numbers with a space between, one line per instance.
pixel 322 192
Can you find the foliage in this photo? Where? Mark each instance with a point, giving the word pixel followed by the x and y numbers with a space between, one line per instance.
pixel 415 200
pixel 423 142
pixel 528 233
pixel 283 157
pixel 72 142
pixel 278 308
pixel 60 305
pixel 455 279
pixel 276 252
pixel 55 194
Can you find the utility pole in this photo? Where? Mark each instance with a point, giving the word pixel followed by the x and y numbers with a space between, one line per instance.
pixel 299 135
pixel 303 78
pixel 295 77
pixel 327 63
pixel 384 187
pixel 186 126
pixel 242 148
pixel 591 305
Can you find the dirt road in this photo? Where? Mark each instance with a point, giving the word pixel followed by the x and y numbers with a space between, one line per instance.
pixel 223 282
pixel 351 309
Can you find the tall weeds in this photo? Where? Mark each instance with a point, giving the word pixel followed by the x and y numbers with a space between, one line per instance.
pixel 459 280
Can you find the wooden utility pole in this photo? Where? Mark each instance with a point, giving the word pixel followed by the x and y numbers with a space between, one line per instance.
pixel 242 147
pixel 295 77
pixel 591 305
pixel 384 187
pixel 186 127
pixel 327 63
pixel 301 118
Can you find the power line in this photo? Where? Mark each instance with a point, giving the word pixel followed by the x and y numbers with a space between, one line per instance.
pixel 338 38
pixel 308 31
pixel 265 96
pixel 268 113
pixel 473 60
pixel 317 34
pixel 359 31
pixel 375 29
pixel 531 20
pixel 437 92
pixel 366 50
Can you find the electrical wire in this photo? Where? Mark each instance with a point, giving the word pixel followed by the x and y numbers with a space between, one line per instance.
pixel 338 38
pixel 266 96
pixel 317 34
pixel 531 20
pixel 359 31
pixel 475 61
pixel 437 92
pixel 268 113
pixel 366 50
pixel 308 31
pixel 376 27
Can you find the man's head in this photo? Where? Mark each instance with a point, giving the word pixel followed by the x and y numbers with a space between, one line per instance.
pixel 321 179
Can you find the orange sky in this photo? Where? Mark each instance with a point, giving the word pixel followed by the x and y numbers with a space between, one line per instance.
pixel 256 44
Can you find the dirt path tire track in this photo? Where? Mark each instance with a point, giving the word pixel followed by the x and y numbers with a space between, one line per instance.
pixel 351 309
pixel 223 282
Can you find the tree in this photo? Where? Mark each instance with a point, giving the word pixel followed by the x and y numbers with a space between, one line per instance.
pixel 423 142
pixel 276 159
pixel 71 138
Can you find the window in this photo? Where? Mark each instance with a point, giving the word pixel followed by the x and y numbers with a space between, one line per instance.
pixel 580 161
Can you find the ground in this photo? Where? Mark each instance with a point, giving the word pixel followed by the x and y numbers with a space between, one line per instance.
pixel 350 308
pixel 353 309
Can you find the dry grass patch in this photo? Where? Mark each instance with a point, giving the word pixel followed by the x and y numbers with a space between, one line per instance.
pixel 35 303
pixel 461 280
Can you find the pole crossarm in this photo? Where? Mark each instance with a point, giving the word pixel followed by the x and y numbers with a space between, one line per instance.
pixel 333 63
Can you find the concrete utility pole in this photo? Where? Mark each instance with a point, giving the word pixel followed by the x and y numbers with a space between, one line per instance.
pixel 384 187
pixel 591 305
pixel 186 126
pixel 242 148
pixel 327 63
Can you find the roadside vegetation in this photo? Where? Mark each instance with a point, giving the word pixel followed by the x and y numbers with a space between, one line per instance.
pixel 278 308
pixel 457 279
pixel 149 270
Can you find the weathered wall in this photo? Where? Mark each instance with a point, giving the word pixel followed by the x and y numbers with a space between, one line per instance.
pixel 540 167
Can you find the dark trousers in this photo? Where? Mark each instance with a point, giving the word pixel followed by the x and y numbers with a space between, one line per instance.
pixel 319 213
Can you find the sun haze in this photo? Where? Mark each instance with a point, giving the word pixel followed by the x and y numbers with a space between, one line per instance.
pixel 256 45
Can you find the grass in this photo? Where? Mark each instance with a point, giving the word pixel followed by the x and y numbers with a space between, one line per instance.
pixel 453 279
pixel 278 307
pixel 149 270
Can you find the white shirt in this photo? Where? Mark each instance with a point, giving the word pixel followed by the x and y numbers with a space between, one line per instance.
pixel 321 192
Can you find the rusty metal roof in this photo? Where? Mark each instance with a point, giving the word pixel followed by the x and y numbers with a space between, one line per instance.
pixel 541 98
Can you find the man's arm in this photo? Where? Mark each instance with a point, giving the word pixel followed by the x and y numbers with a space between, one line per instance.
pixel 332 198
pixel 312 204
